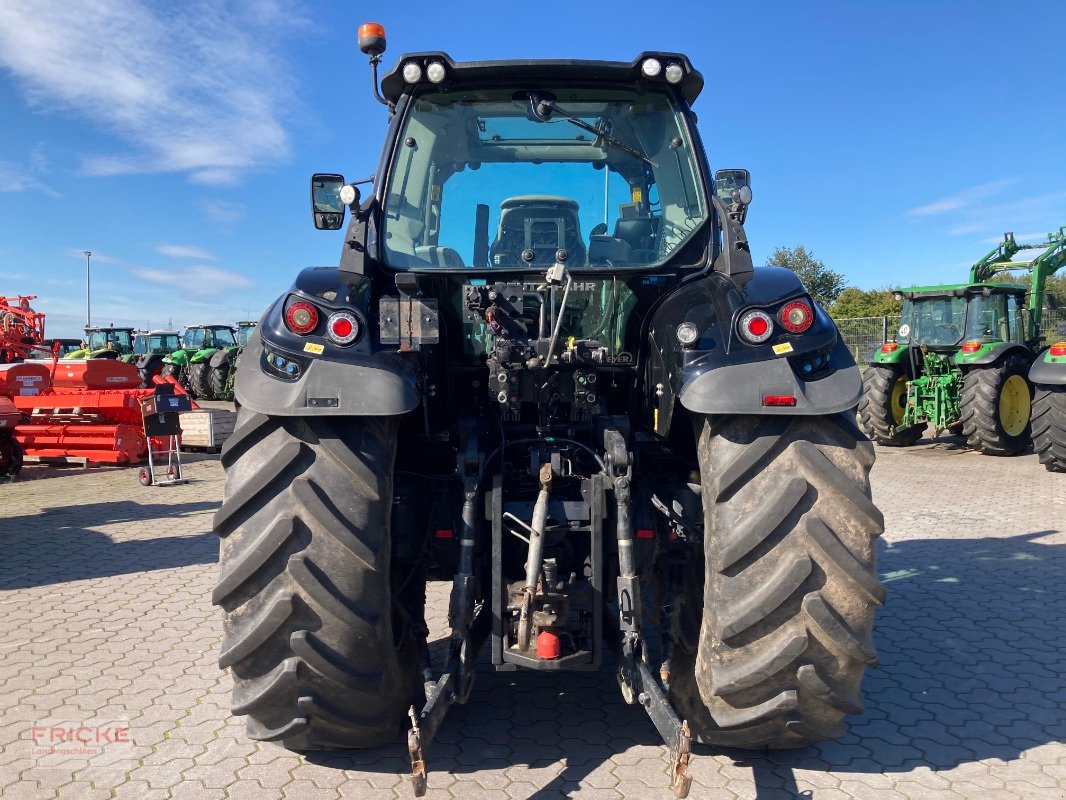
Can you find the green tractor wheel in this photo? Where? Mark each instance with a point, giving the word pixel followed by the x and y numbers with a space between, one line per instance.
pixel 883 403
pixel 997 406
pixel 1049 427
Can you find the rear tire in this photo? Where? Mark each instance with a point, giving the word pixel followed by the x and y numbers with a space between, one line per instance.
pixel 1049 426
pixel 198 381
pixel 320 654
pixel 217 378
pixel 884 397
pixel 772 651
pixel 996 407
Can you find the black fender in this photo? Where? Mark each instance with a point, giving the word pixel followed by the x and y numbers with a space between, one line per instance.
pixel 283 374
pixel 995 354
pixel 222 357
pixel 1047 372
pixel 722 374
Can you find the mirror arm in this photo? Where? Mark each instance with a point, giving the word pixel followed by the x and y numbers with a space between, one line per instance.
pixel 735 258
pixel 353 253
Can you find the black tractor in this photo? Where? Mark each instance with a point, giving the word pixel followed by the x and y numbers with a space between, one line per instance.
pixel 546 371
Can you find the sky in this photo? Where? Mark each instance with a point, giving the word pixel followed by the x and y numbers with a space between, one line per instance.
pixel 896 141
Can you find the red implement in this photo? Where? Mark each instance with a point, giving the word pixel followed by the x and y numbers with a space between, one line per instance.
pixel 26 379
pixel 78 374
pixel 103 444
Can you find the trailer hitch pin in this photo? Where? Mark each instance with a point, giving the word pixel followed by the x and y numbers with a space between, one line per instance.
pixel 418 762
pixel 536 555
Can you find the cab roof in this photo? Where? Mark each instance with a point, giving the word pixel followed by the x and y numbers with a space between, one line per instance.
pixel 959 289
pixel 535 72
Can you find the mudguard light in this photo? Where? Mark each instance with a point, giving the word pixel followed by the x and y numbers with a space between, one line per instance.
pixel 796 317
pixel 301 317
pixel 755 327
pixel 342 328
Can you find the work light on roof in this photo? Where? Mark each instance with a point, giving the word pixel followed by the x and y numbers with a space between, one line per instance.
pixel 651 67
pixel 412 73
pixel 674 73
pixel 435 71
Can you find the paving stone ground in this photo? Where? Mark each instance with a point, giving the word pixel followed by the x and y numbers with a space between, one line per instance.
pixel 105 619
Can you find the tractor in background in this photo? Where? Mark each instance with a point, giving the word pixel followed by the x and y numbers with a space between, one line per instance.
pixel 961 362
pixel 222 365
pixel 189 363
pixel 149 350
pixel 109 342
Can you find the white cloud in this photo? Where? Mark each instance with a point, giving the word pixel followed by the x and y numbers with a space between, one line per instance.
pixel 198 281
pixel 223 213
pixel 963 199
pixel 184 251
pixel 18 178
pixel 197 87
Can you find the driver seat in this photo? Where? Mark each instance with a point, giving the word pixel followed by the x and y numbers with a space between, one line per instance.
pixel 541 223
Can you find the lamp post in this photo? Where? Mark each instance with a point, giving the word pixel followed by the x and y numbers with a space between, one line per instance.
pixel 88 311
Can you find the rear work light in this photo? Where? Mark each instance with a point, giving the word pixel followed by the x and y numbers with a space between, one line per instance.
pixel 971 347
pixel 786 400
pixel 342 328
pixel 301 317
pixel 755 327
pixel 889 347
pixel 1058 349
pixel 796 317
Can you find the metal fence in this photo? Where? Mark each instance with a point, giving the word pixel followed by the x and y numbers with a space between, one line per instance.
pixel 863 334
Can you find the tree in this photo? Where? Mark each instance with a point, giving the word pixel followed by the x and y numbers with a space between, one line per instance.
pixel 856 302
pixel 823 283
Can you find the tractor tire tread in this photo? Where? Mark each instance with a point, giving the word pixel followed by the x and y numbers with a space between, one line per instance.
pixel 979 404
pixel 875 414
pixel 1049 426
pixel 312 637
pixel 787 614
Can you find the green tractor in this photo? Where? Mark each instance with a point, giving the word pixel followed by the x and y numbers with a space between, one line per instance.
pixel 962 359
pixel 149 350
pixel 189 364
pixel 109 342
pixel 221 365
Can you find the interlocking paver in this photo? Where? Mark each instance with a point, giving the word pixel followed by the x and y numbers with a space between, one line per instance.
pixel 105 614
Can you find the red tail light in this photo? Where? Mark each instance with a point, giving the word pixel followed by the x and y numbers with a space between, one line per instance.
pixel 971 347
pixel 444 533
pixel 796 317
pixel 755 327
pixel 1058 349
pixel 343 328
pixel 889 347
pixel 787 400
pixel 301 317
pixel 645 533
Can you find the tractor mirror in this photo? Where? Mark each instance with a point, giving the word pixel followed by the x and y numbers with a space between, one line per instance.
pixel 733 186
pixel 327 208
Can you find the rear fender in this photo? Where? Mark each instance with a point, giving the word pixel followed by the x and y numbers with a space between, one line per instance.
pixel 178 357
pixel 200 356
pixel 722 374
pixel 222 357
pixel 1048 370
pixel 283 374
pixel 991 353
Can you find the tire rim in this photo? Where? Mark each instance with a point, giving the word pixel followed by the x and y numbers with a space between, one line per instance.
pixel 898 399
pixel 1014 405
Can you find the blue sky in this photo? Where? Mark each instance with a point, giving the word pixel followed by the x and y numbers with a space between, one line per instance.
pixel 897 141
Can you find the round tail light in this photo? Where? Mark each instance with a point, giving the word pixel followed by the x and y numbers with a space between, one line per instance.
pixel 755 327
pixel 342 328
pixel 796 317
pixel 301 317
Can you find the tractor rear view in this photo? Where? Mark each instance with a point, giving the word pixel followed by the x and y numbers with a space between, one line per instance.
pixel 962 359
pixel 190 364
pixel 546 371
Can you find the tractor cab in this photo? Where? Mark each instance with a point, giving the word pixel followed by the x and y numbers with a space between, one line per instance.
pixel 149 342
pixel 103 341
pixel 203 337
pixel 963 318
pixel 244 332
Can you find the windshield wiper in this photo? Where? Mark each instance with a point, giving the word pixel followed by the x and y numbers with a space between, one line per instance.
pixel 543 107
